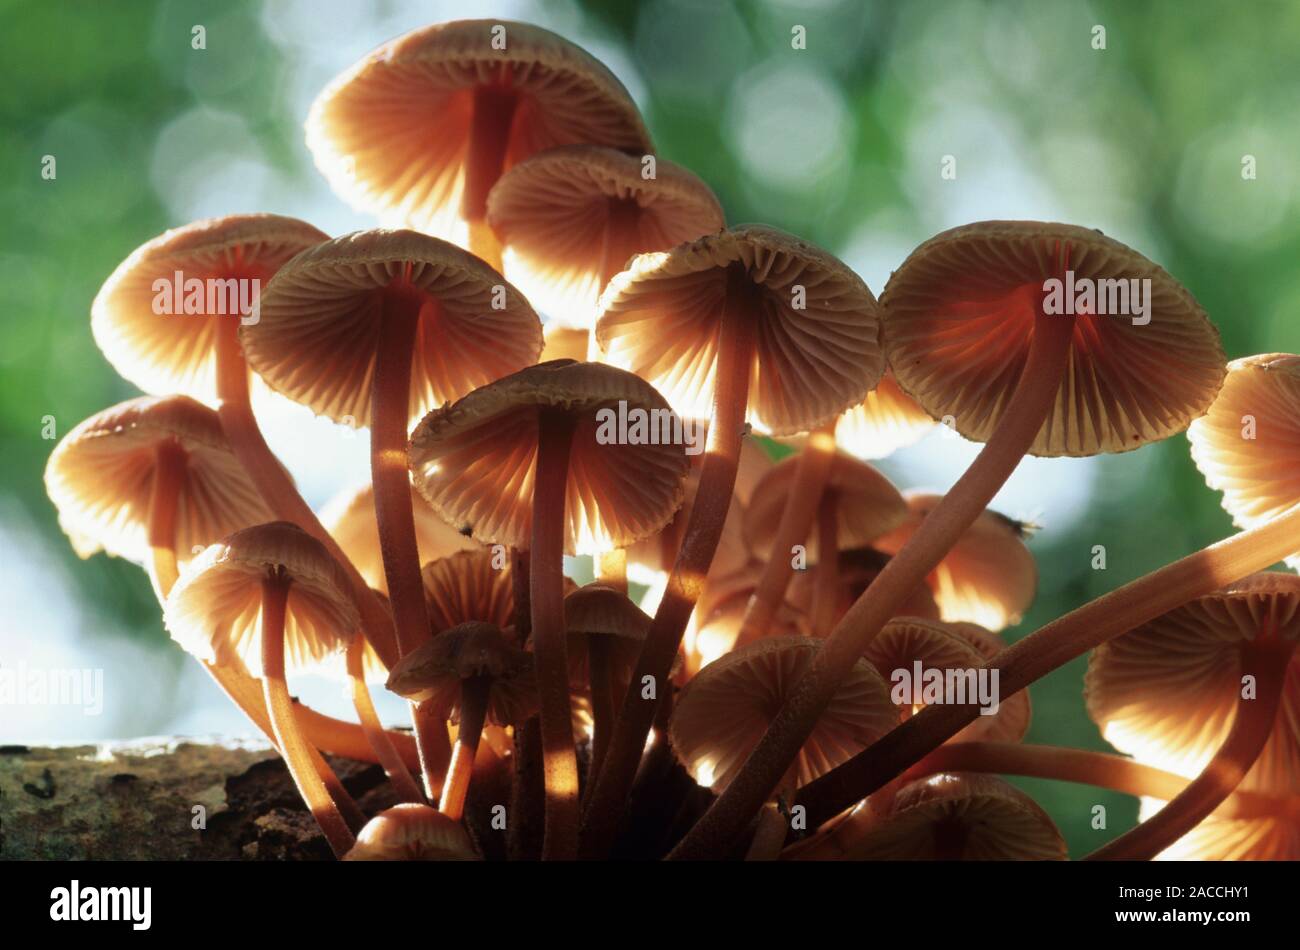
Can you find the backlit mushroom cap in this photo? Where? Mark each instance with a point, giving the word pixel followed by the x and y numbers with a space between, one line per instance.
pixel 957 816
pixel 597 611
pixel 1248 445
pixel 660 319
pixel 1273 836
pixel 721 611
pixel 568 215
pixel 215 609
pixel 989 577
pixel 100 476
pixel 886 421
pixel 166 344
pixel 722 713
pixel 433 673
pixel 320 316
pixel 475 460
pixel 1167 691
pixel 471 585
pixel 958 321
pixel 350 519
pixel 858 567
pixel 869 505
pixel 951 653
pixel 411 832
pixel 391 134
pixel 564 343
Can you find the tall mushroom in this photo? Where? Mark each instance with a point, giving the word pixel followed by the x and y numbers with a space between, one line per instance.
pixel 263 594
pixel 375 328
pixel 421 128
pixel 538 460
pixel 750 324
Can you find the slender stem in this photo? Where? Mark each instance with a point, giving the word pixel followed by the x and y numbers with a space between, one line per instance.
pixel 703 531
pixel 1267 659
pixel 769 837
pixel 520 576
pixel 433 745
pixel 601 679
pixel 560 762
pixel 618 242
pixel 1025 412
pixel 383 748
pixel 474 694
pixel 527 794
pixel 293 747
pixel 826 575
pixel 611 569
pixel 489 138
pixel 812 469
pixel 170 467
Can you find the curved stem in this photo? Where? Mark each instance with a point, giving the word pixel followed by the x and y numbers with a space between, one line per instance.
pixel 1025 412
pixel 385 752
pixel 489 137
pixel 294 749
pixel 474 694
pixel 769 837
pixel 703 531
pixel 560 761
pixel 812 469
pixel 1267 660
pixel 826 575
pixel 601 679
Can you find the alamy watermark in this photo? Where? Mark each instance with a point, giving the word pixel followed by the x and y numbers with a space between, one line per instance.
pixel 22 685
pixel 1107 296
pixel 637 426
pixel 921 686
pixel 210 296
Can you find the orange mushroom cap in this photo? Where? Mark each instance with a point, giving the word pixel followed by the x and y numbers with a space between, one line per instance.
pixel 318 330
pixel 721 612
pixel 958 321
pixel 817 332
pixel 567 215
pixel 171 352
pixel 598 611
pixel 391 134
pixel 475 459
pixel 101 473
pixel 1263 837
pixel 411 832
pixel 215 610
pixel 886 421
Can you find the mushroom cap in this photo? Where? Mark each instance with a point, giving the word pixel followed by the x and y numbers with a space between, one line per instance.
pixel 869 505
pixel 1167 691
pixel 988 577
pixel 468 586
pixel 411 832
pixel 391 134
pixel 660 319
pixel 554 215
pixel 598 611
pixel 215 610
pixel 316 338
pixel 721 611
pixel 979 817
pixel 943 647
pixel 723 712
pixel 958 322
pixel 886 421
pixel 1265 837
pixel 176 352
pixel 475 460
pixel 858 567
pixel 434 672
pixel 1258 475
pixel 100 477
pixel 350 519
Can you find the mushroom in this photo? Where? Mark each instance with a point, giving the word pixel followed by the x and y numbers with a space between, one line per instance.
pixel 263 594
pixel 422 128
pixel 412 832
pixel 886 421
pixel 527 461
pixel 726 707
pixel 855 570
pixel 948 817
pixel 469 674
pixel 570 218
pixel 989 577
pixel 747 324
pixel 375 328
pixel 1204 688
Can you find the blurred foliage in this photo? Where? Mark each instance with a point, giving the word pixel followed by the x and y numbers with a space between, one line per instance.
pixel 1142 139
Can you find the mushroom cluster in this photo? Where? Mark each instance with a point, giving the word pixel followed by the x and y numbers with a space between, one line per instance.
pixel 787 659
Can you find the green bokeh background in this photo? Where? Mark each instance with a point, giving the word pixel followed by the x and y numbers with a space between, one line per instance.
pixel 1143 139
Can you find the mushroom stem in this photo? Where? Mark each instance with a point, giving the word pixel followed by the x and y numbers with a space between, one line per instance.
pixel 474 694
pixel 812 469
pixel 1267 659
pixel 383 748
pixel 826 575
pixel 611 569
pixel 560 762
pixel 769 837
pixel 293 747
pixel 275 484
pixel 703 531
pixel 621 218
pixel 601 679
pixel 489 138
pixel 164 496
pixel 1028 408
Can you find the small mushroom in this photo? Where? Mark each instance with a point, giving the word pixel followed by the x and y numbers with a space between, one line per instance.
pixel 263 594
pixel 412 832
